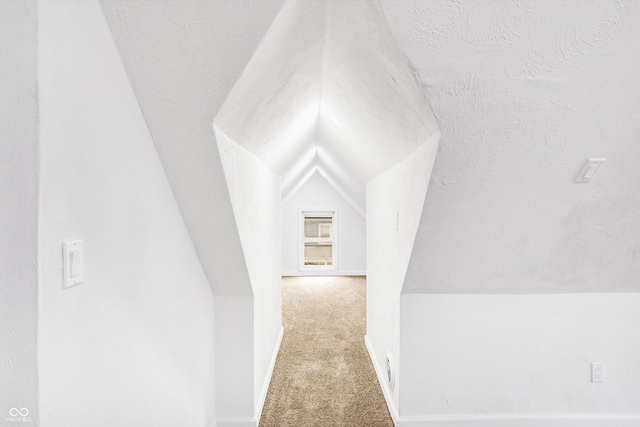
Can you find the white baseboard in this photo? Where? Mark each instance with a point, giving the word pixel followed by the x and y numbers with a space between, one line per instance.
pixel 383 383
pixel 265 387
pixel 236 422
pixel 499 420
pixel 523 420
pixel 323 273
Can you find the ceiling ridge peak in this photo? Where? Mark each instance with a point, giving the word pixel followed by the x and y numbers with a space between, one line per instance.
pixel 323 64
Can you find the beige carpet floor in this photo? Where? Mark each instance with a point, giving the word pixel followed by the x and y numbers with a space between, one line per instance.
pixel 323 375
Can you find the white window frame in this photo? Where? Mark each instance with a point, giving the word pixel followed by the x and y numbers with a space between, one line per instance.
pixel 322 212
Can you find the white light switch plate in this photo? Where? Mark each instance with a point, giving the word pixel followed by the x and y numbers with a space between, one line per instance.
pixel 72 258
pixel 588 170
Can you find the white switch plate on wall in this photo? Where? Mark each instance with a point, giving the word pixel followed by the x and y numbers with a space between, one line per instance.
pixel 72 258
pixel 588 170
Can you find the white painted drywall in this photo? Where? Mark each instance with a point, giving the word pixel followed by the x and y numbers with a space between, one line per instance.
pixel 397 194
pixel 255 196
pixel 370 86
pixel 133 344
pixel 524 93
pixel 235 354
pixel 183 58
pixel 330 88
pixel 519 354
pixel 272 109
pixel 18 208
pixel 317 193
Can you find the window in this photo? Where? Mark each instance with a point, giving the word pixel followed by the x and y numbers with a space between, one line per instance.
pixel 318 246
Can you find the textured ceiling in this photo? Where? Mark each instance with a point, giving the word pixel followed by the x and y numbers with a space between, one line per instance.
pixel 329 89
pixel 523 92
pixel 183 58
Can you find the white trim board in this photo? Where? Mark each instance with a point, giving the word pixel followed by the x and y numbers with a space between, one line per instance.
pixel 236 422
pixel 523 420
pixel 255 421
pixel 383 383
pixel 265 387
pixel 323 273
pixel 500 420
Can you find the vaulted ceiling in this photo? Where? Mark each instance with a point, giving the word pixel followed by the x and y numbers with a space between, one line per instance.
pixel 328 89
pixel 523 91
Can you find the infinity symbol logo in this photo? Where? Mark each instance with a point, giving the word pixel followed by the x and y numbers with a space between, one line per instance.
pixel 14 412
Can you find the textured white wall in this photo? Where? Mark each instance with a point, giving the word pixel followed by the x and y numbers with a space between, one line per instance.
pixel 514 87
pixel 183 58
pixel 133 344
pixel 18 207
pixel 525 92
pixel 234 361
pixel 318 193
pixel 255 196
pixel 272 109
pixel 401 189
pixel 492 354
pixel 328 87
pixel 370 85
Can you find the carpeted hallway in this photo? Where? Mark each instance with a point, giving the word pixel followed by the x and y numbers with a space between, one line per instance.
pixel 323 375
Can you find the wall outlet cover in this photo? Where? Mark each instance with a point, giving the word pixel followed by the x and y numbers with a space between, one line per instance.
pixel 390 370
pixel 597 372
